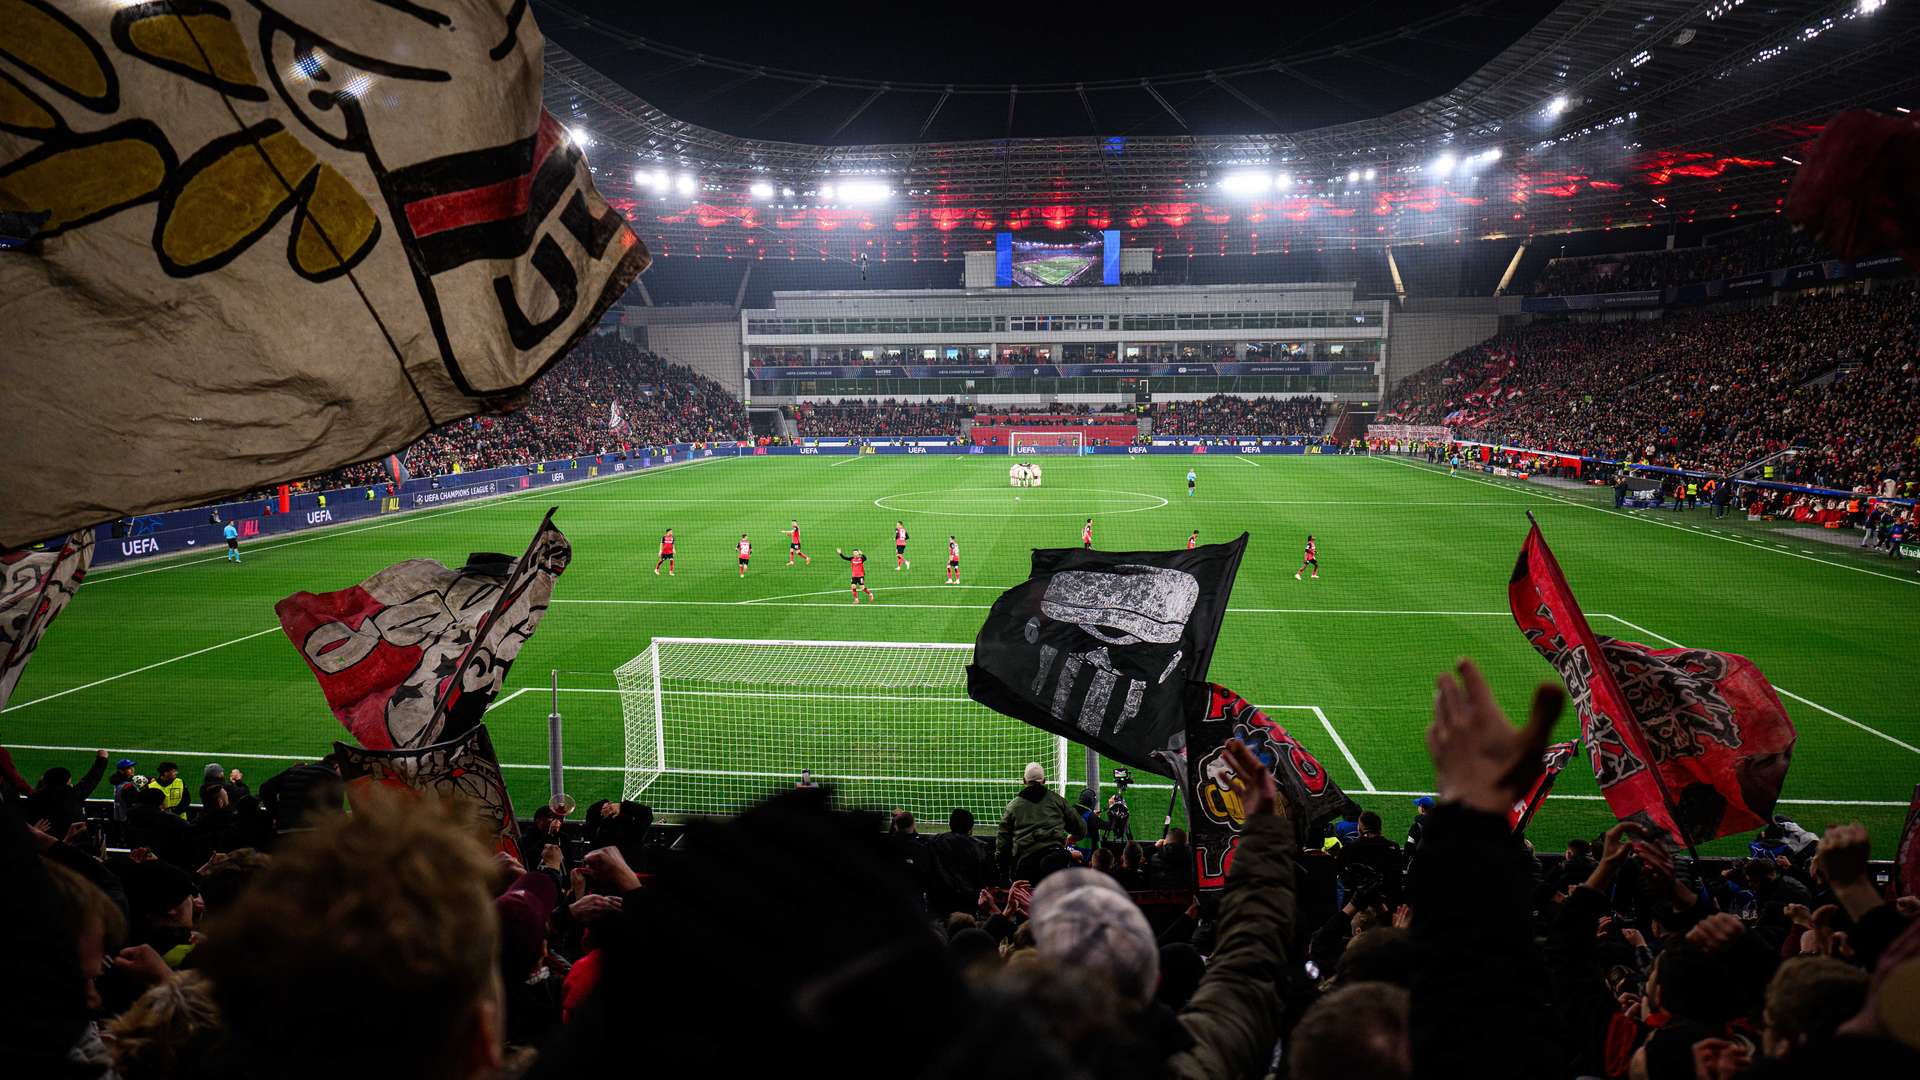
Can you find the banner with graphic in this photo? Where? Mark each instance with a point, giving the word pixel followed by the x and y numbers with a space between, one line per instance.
pixel 274 240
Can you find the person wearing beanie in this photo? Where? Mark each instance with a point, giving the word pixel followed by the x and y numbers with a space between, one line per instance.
pixel 214 776
pixel 1037 823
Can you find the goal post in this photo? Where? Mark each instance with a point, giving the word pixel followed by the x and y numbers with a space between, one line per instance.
pixel 715 724
pixel 1024 443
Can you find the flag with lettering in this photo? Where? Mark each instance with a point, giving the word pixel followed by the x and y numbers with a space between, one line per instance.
pixel 462 769
pixel 1215 817
pixel 35 587
pixel 1690 743
pixel 1552 761
pixel 270 240
pixel 414 654
pixel 1104 646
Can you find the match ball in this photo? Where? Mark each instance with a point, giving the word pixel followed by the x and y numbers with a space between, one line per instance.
pixel 909 564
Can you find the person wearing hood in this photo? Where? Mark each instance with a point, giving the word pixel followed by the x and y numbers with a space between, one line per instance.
pixel 1037 824
pixel 213 776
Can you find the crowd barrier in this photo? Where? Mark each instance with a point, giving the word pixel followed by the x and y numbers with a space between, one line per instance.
pixel 202 527
pixel 1666 470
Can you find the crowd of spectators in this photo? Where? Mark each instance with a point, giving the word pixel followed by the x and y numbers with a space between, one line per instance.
pixel 1752 250
pixel 889 418
pixel 1225 414
pixel 295 932
pixel 568 413
pixel 1832 374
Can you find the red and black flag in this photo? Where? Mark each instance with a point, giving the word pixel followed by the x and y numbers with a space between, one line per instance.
pixel 1691 743
pixel 35 587
pixel 1906 857
pixel 1107 648
pixel 462 769
pixel 416 653
pixel 1552 760
pixel 1214 814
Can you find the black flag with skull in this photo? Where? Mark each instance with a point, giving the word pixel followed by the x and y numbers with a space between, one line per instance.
pixel 1105 647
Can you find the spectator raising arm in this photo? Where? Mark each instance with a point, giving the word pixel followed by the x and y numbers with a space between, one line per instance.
pixel 1234 1015
pixel 1470 902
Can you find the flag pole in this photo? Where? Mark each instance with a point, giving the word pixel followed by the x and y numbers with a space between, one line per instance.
pixel 1633 722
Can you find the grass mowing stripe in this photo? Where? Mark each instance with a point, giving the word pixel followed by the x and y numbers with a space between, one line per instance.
pixel 139 670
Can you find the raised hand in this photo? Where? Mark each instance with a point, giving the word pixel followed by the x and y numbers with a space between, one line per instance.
pixel 594 907
pixel 1479 758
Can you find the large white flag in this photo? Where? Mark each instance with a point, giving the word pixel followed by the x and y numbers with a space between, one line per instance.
pixel 274 238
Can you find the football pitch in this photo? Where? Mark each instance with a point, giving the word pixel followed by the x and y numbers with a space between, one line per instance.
pixel 1057 270
pixel 182 658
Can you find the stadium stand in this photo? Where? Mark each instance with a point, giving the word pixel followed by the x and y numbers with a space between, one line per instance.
pixel 1830 374
pixel 1225 414
pixel 566 414
pixel 1748 250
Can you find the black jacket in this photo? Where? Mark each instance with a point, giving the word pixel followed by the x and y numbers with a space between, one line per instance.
pixel 960 865
pixel 65 805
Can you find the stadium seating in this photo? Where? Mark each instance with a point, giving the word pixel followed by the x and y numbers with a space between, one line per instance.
pixel 1749 250
pixel 1831 374
pixel 567 412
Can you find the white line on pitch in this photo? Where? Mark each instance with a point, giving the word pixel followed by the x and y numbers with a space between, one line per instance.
pixel 1603 798
pixel 1366 785
pixel 1667 525
pixel 1781 689
pixel 138 670
pixel 837 592
pixel 771 602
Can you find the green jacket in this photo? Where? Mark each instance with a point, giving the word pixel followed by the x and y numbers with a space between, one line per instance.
pixel 1036 818
pixel 1234 1016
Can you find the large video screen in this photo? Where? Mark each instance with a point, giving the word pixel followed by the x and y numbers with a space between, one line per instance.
pixel 1053 260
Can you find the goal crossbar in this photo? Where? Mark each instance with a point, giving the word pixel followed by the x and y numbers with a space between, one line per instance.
pixel 713 724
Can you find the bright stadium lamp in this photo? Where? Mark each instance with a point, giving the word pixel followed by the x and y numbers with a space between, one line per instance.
pixel 1283 181
pixel 580 136
pixel 686 184
pixel 1353 176
pixel 1370 174
pixel 826 191
pixel 865 191
pixel 1246 182
pixel 761 190
pixel 1558 105
pixel 1443 165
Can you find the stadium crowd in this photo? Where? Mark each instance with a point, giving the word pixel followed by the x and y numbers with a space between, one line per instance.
pixel 1753 250
pixel 568 412
pixel 279 933
pixel 881 418
pixel 1832 374
pixel 1225 414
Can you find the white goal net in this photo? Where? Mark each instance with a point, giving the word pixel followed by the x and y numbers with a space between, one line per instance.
pixel 1023 443
pixel 714 724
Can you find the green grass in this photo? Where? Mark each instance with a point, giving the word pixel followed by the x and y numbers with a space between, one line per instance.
pixel 1056 270
pixel 183 656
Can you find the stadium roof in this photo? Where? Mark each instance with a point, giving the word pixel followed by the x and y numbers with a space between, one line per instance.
pixel 1602 114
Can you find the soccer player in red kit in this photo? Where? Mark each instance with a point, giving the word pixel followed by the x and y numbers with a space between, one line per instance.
pixel 1193 539
pixel 859 568
pixel 666 553
pixel 1309 559
pixel 793 545
pixel 746 552
pixel 1086 534
pixel 900 539
pixel 953 560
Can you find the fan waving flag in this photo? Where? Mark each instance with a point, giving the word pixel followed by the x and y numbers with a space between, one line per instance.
pixel 35 587
pixel 414 654
pixel 1214 814
pixel 261 241
pixel 1103 647
pixel 462 769
pixel 1690 743
pixel 1552 760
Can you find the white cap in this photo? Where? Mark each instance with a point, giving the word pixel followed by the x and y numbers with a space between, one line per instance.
pixel 1035 774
